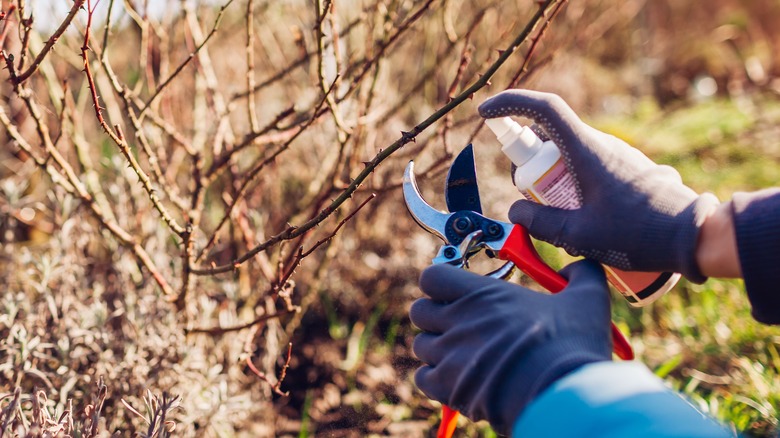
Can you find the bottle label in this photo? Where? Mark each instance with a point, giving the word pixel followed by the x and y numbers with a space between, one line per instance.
pixel 626 283
pixel 640 288
pixel 556 187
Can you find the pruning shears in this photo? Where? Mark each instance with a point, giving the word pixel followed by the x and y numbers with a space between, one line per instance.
pixel 466 232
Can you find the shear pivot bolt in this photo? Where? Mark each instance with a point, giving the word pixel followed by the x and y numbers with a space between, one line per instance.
pixel 462 225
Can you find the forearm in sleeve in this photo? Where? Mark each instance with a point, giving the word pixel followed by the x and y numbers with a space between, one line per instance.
pixel 757 225
pixel 611 400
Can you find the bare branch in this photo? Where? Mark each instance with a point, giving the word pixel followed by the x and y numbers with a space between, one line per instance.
pixel 322 11
pixel 252 174
pixel 189 58
pixel 293 232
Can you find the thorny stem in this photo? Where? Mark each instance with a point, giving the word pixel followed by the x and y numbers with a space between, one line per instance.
pixel 300 255
pixel 401 30
pixel 116 135
pixel 77 4
pixel 528 55
pixel 293 232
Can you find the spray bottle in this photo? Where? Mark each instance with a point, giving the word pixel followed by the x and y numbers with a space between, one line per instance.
pixel 542 176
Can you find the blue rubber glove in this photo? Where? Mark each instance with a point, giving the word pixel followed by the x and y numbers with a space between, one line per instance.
pixel 491 346
pixel 636 215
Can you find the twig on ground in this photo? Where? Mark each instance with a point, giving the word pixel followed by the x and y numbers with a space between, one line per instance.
pixel 277 385
pixel 217 331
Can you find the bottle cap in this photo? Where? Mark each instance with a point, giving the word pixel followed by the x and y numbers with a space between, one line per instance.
pixel 519 142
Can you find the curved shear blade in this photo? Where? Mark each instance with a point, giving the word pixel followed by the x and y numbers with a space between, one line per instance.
pixel 432 220
pixel 461 191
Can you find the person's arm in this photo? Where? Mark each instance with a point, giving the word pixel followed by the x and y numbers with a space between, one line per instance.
pixel 741 239
pixel 716 249
pixel 614 400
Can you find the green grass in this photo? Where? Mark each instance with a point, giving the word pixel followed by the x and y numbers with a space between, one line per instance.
pixel 719 146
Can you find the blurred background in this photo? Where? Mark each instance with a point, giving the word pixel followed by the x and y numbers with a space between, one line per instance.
pixel 249 119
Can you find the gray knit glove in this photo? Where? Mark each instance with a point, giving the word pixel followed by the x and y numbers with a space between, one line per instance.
pixel 635 215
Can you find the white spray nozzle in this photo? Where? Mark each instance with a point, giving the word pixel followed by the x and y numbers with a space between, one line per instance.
pixel 519 142
pixel 500 125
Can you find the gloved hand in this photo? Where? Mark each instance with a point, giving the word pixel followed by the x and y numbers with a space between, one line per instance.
pixel 492 346
pixel 635 215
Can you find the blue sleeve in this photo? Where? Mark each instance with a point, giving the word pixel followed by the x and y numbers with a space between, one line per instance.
pixel 611 400
pixel 757 226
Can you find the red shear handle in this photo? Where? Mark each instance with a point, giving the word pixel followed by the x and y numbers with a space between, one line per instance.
pixel 519 250
pixel 449 419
